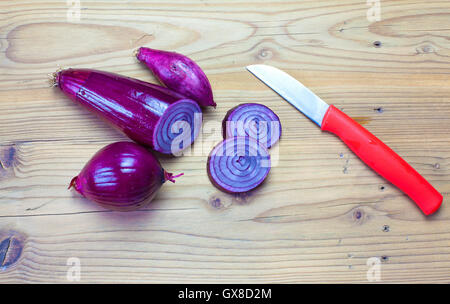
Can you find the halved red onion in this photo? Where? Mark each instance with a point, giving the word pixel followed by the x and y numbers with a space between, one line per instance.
pixel 149 114
pixel 253 120
pixel 238 164
pixel 122 176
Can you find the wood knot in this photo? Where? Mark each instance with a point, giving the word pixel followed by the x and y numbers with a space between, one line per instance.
pixel 359 216
pixel 437 166
pixel 8 160
pixel 7 156
pixel 377 44
pixel 264 54
pixel 385 228
pixel 217 202
pixel 425 49
pixel 379 110
pixel 11 247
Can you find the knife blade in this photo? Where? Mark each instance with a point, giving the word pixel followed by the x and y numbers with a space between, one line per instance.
pixel 364 144
pixel 302 98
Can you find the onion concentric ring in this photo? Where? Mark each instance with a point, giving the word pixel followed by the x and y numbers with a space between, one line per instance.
pixel 178 127
pixel 238 164
pixel 253 120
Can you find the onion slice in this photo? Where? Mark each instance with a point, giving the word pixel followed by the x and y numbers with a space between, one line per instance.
pixel 253 120
pixel 238 164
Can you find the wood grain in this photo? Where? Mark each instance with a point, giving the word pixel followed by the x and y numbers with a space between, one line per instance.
pixel 322 212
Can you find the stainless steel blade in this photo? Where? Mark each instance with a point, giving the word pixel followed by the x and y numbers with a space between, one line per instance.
pixel 302 98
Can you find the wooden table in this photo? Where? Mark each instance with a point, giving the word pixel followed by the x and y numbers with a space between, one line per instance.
pixel 322 213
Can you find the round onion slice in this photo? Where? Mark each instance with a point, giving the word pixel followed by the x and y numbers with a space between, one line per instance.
pixel 238 164
pixel 253 120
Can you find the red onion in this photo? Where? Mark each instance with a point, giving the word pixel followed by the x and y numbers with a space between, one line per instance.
pixel 238 164
pixel 253 120
pixel 149 114
pixel 178 73
pixel 122 176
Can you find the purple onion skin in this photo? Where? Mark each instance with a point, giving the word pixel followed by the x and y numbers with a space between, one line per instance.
pixel 139 109
pixel 246 113
pixel 178 73
pixel 122 176
pixel 238 165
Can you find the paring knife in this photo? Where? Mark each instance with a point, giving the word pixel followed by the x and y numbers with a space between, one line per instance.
pixel 369 148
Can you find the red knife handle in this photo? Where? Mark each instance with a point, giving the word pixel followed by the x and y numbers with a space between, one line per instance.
pixel 382 159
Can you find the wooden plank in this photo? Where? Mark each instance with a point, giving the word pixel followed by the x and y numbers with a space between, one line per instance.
pixel 321 214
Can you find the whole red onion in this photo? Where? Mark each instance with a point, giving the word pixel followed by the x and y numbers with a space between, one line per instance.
pixel 179 73
pixel 122 176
